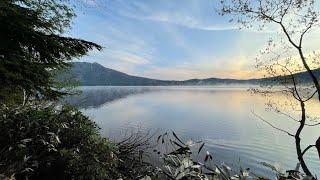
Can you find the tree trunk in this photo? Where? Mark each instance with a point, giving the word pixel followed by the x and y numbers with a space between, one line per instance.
pixel 298 144
pixel 313 77
pixel 318 146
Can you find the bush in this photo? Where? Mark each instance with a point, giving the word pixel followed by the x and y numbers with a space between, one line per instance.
pixel 53 143
pixel 184 160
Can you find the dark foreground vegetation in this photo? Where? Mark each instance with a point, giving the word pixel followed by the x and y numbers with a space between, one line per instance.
pixel 42 140
pixel 53 143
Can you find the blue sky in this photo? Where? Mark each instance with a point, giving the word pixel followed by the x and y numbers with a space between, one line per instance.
pixel 167 39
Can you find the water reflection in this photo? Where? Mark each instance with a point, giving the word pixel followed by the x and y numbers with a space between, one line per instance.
pixel 220 116
pixel 96 96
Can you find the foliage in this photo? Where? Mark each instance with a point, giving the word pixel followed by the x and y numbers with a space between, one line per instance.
pixel 186 160
pixel 32 45
pixel 289 174
pixel 48 143
pixel 133 153
pixel 182 160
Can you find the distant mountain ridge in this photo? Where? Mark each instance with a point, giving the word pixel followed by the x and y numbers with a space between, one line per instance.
pixel 94 74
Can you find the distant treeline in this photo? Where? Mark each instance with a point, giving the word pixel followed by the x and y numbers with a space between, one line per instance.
pixel 94 74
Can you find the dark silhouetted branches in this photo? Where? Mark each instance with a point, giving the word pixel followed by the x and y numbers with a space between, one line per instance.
pixel 32 45
pixel 295 19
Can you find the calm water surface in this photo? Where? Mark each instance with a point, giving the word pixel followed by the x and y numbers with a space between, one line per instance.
pixel 221 117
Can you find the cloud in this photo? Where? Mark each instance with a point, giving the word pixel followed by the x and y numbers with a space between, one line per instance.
pixel 189 15
pixel 128 57
pixel 237 67
pixel 176 73
pixel 231 66
pixel 188 21
pixel 185 15
pixel 170 73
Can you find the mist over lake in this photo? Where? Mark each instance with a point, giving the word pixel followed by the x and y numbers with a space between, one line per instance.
pixel 220 116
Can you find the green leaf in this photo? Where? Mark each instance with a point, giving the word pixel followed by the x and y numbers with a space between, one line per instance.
pixel 202 145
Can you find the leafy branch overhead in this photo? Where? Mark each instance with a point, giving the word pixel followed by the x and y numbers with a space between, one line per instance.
pixel 32 45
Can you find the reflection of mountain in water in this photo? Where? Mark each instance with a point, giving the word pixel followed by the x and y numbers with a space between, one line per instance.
pixel 93 97
pixel 96 96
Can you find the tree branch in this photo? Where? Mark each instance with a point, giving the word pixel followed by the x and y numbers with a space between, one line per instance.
pixel 262 119
pixel 306 149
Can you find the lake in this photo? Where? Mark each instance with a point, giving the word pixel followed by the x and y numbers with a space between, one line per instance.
pixel 222 117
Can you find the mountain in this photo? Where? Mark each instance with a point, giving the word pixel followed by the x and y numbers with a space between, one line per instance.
pixel 94 74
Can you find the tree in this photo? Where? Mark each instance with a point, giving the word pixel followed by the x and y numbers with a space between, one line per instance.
pixel 295 18
pixel 32 46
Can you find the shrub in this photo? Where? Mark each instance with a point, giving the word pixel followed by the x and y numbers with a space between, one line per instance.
pixel 53 143
pixel 183 160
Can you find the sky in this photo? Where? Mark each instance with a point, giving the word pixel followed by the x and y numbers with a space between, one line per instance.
pixel 168 39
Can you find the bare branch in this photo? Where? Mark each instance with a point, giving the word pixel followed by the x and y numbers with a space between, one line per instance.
pixel 305 150
pixel 303 33
pixel 262 119
pixel 315 92
pixel 316 124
